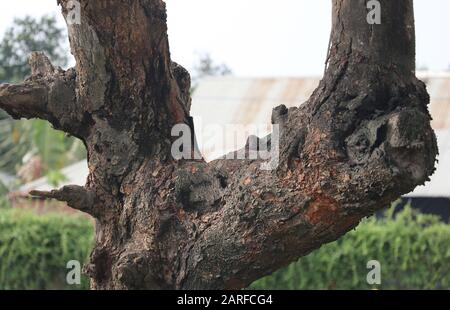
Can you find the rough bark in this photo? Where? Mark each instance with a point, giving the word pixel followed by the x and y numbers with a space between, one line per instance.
pixel 361 140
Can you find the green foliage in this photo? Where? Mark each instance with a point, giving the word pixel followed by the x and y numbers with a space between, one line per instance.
pixel 206 67
pixel 34 249
pixel 10 148
pixel 55 178
pixel 55 149
pixel 413 250
pixel 35 137
pixel 4 202
pixel 25 36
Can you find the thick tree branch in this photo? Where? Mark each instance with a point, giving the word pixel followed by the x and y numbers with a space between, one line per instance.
pixel 362 140
pixel 25 100
pixel 77 197
pixel 49 94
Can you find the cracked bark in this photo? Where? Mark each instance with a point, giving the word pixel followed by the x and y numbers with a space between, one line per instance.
pixel 361 140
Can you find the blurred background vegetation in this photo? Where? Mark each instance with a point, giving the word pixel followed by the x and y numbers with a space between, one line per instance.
pixel 31 149
pixel 25 36
pixel 413 250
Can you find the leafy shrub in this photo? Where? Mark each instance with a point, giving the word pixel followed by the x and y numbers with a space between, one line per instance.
pixel 34 249
pixel 4 202
pixel 413 250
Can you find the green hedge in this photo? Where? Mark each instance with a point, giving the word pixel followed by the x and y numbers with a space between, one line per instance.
pixel 413 251
pixel 34 249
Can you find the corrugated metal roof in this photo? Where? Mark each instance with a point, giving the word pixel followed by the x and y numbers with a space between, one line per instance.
pixel 226 101
pixel 245 101
pixel 439 89
pixel 229 100
pixel 75 174
pixel 7 179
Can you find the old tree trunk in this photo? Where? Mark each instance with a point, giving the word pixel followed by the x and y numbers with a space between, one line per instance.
pixel 361 140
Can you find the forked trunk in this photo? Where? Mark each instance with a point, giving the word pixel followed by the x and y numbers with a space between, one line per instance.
pixel 361 140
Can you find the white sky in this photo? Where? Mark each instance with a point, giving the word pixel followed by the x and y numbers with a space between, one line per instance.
pixel 265 37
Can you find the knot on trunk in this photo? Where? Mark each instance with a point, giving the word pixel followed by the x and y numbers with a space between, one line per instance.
pixel 403 137
pixel 199 190
pixel 134 271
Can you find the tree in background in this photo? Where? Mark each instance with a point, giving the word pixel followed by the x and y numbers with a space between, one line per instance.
pixel 25 36
pixel 35 144
pixel 205 66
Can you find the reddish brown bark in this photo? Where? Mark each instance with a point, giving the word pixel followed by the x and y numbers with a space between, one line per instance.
pixel 361 140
